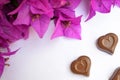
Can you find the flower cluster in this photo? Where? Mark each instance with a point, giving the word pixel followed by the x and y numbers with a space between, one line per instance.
pixel 17 16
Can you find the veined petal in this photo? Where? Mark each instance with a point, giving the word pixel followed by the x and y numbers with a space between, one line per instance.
pixel 23 30
pixel 9 53
pixel 103 6
pixel 49 13
pixel 74 3
pixel 37 4
pixel 35 10
pixel 17 9
pixel 65 12
pixel 91 14
pixel 23 17
pixel 74 30
pixel 58 3
pixel 41 25
pixel 41 7
pixel 58 30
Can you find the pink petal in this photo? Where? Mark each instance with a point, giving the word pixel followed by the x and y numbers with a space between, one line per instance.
pixel 74 3
pixel 23 16
pixel 66 12
pixel 9 53
pixel 91 14
pixel 41 25
pixel 74 31
pixel 58 30
pixel 36 11
pixel 58 3
pixel 103 6
pixel 17 9
pixel 23 31
pixel 41 7
pixel 2 64
pixel 37 4
pixel 49 13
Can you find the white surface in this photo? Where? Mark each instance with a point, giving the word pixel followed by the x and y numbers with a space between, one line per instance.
pixel 45 59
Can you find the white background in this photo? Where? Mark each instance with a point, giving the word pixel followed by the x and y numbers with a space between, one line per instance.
pixel 45 59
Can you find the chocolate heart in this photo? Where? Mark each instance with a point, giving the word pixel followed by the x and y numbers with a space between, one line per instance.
pixel 108 42
pixel 81 65
pixel 116 75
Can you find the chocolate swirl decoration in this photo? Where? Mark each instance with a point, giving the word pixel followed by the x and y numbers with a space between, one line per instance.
pixel 81 66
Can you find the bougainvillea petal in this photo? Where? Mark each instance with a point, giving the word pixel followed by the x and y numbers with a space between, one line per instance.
pixel 58 3
pixel 65 3
pixel 91 14
pixel 23 16
pixel 58 30
pixel 18 8
pixel 2 63
pixel 3 43
pixel 23 31
pixel 41 7
pixel 8 53
pixel 48 13
pixel 74 3
pixel 40 24
pixel 103 6
pixel 37 4
pixel 66 12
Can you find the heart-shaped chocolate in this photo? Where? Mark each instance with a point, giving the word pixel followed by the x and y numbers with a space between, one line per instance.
pixel 108 42
pixel 81 66
pixel 116 75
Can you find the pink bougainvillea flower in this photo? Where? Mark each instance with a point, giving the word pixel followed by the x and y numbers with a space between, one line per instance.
pixel 68 27
pixel 102 6
pixel 35 13
pixel 116 2
pixel 66 23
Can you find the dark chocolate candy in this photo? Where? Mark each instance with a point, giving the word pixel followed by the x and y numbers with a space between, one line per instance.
pixel 81 66
pixel 108 42
pixel 116 75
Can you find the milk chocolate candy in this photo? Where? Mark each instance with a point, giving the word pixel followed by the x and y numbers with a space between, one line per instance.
pixel 116 75
pixel 81 66
pixel 108 43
